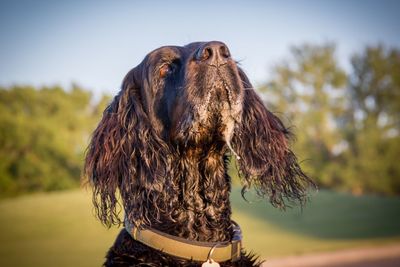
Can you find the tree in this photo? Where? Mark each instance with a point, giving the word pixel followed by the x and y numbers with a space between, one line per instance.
pixel 43 135
pixel 372 122
pixel 309 89
pixel 348 126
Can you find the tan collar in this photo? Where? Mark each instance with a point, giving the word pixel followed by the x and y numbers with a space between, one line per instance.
pixel 188 249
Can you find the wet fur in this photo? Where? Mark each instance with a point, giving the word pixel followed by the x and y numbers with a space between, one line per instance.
pixel 163 144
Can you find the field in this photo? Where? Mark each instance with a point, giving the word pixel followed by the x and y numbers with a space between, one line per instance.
pixel 59 229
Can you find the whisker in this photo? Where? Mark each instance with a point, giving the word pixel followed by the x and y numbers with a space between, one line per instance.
pixel 245 82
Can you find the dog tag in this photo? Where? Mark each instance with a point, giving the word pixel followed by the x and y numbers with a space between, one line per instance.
pixel 210 263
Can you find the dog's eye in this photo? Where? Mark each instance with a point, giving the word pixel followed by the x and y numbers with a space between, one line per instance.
pixel 165 70
pixel 169 68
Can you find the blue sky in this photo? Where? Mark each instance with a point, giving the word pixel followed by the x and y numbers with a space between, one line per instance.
pixel 95 43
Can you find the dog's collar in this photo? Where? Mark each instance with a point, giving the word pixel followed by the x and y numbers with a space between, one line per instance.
pixel 189 249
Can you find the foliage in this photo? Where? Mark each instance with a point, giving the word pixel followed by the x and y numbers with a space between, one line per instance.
pixel 43 134
pixel 303 87
pixel 372 122
pixel 347 124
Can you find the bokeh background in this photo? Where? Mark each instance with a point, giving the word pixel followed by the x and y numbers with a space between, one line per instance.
pixel 328 69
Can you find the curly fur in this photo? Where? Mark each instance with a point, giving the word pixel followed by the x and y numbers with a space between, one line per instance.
pixel 267 162
pixel 163 144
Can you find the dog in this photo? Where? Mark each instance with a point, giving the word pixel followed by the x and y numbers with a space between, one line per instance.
pixel 164 144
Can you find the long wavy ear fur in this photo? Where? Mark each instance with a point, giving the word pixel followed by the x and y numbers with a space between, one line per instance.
pixel 125 153
pixel 266 161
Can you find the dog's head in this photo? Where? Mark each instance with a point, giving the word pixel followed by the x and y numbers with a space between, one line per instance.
pixel 189 93
pixel 178 99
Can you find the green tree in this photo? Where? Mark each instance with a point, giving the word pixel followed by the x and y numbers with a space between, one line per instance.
pixel 309 89
pixel 348 126
pixel 372 122
pixel 43 135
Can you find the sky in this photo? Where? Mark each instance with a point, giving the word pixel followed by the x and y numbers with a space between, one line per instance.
pixel 95 43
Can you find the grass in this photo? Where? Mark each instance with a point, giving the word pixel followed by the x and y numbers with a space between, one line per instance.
pixel 329 221
pixel 59 229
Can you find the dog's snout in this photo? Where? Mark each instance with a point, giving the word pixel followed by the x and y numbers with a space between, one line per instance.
pixel 214 53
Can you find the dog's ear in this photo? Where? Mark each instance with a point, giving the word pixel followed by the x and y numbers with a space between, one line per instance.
pixel 125 153
pixel 266 161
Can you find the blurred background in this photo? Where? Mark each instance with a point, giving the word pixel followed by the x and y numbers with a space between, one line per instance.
pixel 328 69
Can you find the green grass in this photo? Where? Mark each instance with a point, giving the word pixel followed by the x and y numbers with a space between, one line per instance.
pixel 59 229
pixel 329 221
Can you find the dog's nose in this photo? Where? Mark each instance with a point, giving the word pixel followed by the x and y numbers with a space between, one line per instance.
pixel 214 53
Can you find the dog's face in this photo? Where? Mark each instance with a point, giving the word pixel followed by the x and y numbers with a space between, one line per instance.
pixel 177 101
pixel 193 94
